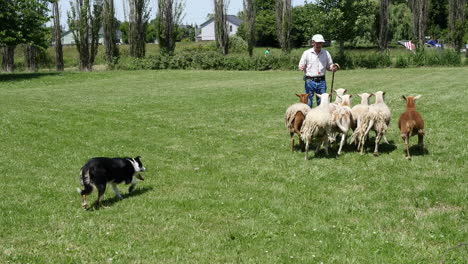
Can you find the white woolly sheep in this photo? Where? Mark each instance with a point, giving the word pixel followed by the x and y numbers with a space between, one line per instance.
pixel 342 120
pixel 339 92
pixel 317 125
pixel 377 119
pixel 359 109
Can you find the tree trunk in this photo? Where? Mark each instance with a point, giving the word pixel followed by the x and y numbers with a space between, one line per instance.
pixel 341 50
pixel 58 38
pixel 384 17
pixel 221 29
pixel 420 9
pixel 109 27
pixel 30 56
pixel 8 58
pixel 249 10
pixel 138 17
pixel 457 23
pixel 284 23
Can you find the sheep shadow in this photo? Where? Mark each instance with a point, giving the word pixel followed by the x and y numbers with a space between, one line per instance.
pixel 110 201
pixel 321 154
pixel 415 150
pixel 384 148
pixel 25 76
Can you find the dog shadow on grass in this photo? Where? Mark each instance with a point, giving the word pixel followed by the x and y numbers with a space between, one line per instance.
pixel 110 201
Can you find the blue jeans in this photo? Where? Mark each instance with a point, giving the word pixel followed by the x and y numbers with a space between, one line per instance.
pixel 315 87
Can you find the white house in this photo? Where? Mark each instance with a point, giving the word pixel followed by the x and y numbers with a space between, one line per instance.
pixel 208 28
pixel 67 37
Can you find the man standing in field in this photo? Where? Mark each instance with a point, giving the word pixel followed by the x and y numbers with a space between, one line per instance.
pixel 314 63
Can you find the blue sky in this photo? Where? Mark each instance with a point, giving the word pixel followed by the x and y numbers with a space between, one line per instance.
pixel 196 11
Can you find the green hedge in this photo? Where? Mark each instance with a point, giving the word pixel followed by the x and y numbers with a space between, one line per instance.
pixel 206 57
pixel 212 60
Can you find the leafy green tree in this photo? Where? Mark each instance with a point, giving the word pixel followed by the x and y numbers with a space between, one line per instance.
pixel 401 26
pixel 170 14
pixel 139 16
pixel 22 22
pixel 109 28
pixel 85 23
pixel 345 19
pixel 151 34
pixel 457 22
pixel 124 29
pixel 265 24
pixel 437 24
pixel 305 24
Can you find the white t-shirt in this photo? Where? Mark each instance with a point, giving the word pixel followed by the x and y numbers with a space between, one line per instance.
pixel 316 64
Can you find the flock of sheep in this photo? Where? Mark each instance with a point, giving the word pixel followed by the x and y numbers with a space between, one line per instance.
pixel 329 120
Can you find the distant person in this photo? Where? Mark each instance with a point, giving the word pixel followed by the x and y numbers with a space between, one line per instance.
pixel 314 63
pixel 267 52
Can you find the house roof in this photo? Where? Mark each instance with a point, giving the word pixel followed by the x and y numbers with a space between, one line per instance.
pixel 230 18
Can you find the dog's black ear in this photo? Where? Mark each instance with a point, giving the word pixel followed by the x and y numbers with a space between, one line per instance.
pixel 138 157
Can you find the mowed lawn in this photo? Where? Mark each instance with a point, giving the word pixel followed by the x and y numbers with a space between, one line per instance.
pixel 222 185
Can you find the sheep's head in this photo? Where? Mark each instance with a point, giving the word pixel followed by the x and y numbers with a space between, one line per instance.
pixel 379 97
pixel 410 100
pixel 365 98
pixel 339 92
pixel 325 98
pixel 303 98
pixel 346 99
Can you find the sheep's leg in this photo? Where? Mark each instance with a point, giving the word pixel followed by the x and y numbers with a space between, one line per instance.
pixel 385 139
pixel 318 148
pixel 343 139
pixel 292 140
pixel 301 144
pixel 378 137
pixel 325 144
pixel 307 150
pixel 421 140
pixel 406 139
pixel 362 142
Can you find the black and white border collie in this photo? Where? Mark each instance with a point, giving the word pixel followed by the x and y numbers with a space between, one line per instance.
pixel 97 172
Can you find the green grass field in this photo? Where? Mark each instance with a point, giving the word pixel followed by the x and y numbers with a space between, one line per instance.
pixel 222 184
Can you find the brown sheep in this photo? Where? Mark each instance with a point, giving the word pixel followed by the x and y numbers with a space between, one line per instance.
pixel 411 123
pixel 295 115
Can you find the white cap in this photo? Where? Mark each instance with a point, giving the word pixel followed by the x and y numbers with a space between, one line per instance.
pixel 318 38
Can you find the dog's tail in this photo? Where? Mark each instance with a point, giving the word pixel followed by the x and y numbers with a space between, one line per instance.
pixel 85 181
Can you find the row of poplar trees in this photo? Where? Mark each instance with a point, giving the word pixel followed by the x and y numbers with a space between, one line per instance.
pixel 22 22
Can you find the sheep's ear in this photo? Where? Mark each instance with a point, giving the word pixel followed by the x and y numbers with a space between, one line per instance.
pixel 345 90
pixel 404 97
pixel 371 95
pixel 360 95
pixel 383 93
pixel 319 95
pixel 350 95
pixel 417 97
pixel 298 95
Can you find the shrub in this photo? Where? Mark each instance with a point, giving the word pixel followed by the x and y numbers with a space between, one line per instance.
pixel 237 44
pixel 344 60
pixel 419 58
pixel 402 61
pixel 451 58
